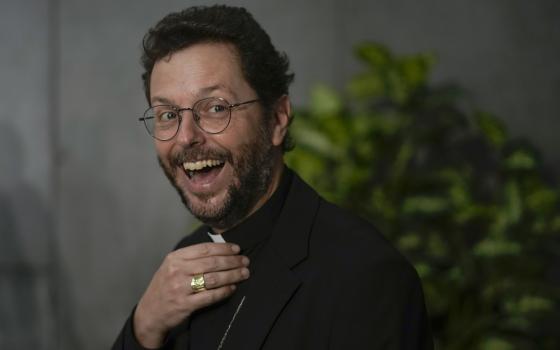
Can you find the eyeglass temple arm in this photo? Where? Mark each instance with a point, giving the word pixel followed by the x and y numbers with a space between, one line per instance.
pixel 242 103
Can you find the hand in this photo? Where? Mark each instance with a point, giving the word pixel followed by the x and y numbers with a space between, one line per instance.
pixel 169 298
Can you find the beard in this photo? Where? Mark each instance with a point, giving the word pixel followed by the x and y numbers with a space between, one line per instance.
pixel 252 175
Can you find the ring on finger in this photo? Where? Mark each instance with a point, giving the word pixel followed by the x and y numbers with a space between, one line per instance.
pixel 197 283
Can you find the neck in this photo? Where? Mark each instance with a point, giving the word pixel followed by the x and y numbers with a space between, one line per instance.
pixel 277 171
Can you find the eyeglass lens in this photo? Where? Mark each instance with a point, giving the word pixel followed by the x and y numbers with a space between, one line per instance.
pixel 211 115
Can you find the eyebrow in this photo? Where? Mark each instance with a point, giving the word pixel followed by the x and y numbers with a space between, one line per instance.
pixel 160 100
pixel 202 93
pixel 213 88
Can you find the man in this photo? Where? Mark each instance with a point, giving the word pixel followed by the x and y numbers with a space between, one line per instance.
pixel 274 266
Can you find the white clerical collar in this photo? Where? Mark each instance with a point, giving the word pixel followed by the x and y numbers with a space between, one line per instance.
pixel 216 237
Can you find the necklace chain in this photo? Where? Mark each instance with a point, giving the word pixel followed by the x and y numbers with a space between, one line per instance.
pixel 230 323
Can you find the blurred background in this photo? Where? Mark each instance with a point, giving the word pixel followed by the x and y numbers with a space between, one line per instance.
pixel 85 213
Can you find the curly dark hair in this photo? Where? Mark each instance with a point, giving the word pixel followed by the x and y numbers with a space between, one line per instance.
pixel 264 68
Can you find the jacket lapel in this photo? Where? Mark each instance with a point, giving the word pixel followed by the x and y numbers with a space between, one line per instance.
pixel 273 283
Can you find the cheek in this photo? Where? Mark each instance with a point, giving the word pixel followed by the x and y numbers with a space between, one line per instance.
pixel 163 149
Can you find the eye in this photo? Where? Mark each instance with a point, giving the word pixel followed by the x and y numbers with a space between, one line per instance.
pixel 217 108
pixel 166 116
pixel 214 108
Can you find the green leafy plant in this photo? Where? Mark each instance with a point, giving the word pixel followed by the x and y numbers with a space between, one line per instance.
pixel 468 205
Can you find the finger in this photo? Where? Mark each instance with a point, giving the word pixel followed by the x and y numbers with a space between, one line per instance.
pixel 206 249
pixel 216 263
pixel 211 296
pixel 214 280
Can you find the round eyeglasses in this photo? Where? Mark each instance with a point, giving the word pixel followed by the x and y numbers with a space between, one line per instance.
pixel 212 115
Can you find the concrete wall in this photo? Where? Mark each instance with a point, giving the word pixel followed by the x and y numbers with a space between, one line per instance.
pixel 27 274
pixel 85 213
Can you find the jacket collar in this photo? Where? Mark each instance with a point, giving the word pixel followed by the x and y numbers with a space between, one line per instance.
pixel 272 285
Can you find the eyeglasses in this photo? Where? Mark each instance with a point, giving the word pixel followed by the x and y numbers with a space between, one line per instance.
pixel 212 115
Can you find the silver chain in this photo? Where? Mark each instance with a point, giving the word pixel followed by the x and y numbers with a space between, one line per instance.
pixel 230 323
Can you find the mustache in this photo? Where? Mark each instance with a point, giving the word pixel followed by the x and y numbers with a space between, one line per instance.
pixel 193 154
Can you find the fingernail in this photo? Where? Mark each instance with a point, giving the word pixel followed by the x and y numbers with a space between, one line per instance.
pixel 235 248
pixel 245 261
pixel 245 273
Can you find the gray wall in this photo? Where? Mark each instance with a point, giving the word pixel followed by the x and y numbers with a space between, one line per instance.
pixel 85 213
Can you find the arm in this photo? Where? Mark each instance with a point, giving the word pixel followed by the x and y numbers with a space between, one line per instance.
pixel 126 339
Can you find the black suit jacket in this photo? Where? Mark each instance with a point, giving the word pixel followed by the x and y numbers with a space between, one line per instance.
pixel 328 280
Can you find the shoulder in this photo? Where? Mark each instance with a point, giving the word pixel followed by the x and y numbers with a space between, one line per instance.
pixel 352 243
pixel 341 236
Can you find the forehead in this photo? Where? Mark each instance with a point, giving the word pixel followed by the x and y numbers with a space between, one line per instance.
pixel 198 71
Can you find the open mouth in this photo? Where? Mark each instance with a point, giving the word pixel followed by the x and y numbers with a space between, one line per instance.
pixel 203 169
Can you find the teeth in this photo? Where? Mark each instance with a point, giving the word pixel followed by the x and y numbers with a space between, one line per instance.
pixel 200 164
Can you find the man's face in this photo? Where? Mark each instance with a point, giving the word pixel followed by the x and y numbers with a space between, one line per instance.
pixel 236 163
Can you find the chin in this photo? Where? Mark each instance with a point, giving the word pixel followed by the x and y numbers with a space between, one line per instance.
pixel 205 205
pixel 216 210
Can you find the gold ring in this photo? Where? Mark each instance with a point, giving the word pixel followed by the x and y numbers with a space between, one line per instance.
pixel 197 283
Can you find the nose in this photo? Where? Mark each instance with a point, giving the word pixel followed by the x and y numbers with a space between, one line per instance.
pixel 188 133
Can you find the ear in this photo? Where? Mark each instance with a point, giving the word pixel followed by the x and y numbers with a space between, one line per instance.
pixel 281 119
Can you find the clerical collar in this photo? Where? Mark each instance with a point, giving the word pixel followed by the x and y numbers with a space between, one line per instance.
pixel 259 225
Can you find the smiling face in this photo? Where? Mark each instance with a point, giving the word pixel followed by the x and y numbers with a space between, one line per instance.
pixel 222 178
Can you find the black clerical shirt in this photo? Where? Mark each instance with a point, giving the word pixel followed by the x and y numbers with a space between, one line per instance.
pixel 251 235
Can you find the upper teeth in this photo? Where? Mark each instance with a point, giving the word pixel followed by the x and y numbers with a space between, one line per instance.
pixel 190 166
